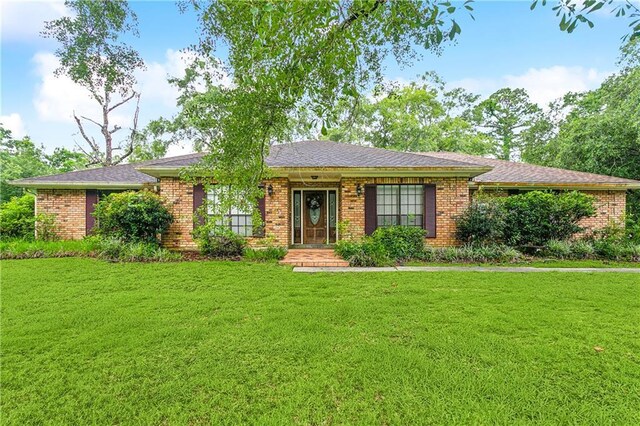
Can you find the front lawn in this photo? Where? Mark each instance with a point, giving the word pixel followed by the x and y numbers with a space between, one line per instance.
pixel 85 341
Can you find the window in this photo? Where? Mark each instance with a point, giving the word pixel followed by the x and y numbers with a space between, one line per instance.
pixel 240 221
pixel 400 205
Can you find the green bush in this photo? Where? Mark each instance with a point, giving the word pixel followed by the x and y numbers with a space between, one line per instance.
pixel 558 249
pixel 472 253
pixel 265 254
pixel 368 252
pixel 401 242
pixel 219 242
pixel 17 218
pixel 116 250
pixel 482 222
pixel 536 217
pixel 132 217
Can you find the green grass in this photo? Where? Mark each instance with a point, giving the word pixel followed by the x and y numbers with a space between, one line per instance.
pixel 85 341
pixel 541 263
pixel 36 249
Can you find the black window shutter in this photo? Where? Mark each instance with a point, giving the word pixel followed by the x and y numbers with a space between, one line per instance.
pixel 198 200
pixel 258 231
pixel 430 210
pixel 90 206
pixel 370 209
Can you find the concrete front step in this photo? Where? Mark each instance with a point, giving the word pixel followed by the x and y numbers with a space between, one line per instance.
pixel 313 258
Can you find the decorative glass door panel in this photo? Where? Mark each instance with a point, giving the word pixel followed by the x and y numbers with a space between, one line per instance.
pixel 315 217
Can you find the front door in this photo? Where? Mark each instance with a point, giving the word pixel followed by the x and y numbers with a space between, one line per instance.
pixel 315 219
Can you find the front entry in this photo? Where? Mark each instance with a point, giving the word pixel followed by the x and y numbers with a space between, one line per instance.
pixel 314 216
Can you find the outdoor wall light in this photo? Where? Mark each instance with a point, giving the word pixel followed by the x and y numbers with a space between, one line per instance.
pixel 270 190
pixel 358 190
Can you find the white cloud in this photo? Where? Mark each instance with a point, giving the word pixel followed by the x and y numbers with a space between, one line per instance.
pixel 543 84
pixel 23 20
pixel 14 123
pixel 57 97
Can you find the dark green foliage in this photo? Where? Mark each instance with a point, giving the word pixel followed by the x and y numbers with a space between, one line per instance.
pixel 536 217
pixel 264 254
pixel 132 216
pixel 401 242
pixel 367 252
pixel 219 242
pixel 17 218
pixel 480 253
pixel 482 222
pixel 116 250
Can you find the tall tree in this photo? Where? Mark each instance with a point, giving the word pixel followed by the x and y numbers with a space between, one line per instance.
pixel 599 130
pixel 286 57
pixel 92 55
pixel 416 117
pixel 505 116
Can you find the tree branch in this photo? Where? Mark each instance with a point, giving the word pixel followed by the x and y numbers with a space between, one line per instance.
pixel 134 132
pixel 124 101
pixel 92 143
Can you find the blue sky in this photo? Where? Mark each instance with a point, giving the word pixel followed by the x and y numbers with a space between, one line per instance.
pixel 506 45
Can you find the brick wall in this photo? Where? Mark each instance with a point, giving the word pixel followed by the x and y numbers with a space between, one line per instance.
pixel 178 196
pixel 610 206
pixel 452 198
pixel 69 208
pixel 277 220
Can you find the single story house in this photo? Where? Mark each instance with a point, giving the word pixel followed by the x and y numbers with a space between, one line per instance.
pixel 316 185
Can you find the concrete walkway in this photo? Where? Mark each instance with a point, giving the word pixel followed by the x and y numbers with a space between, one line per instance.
pixel 526 269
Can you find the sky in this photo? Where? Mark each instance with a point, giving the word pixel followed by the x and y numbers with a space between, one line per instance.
pixel 506 45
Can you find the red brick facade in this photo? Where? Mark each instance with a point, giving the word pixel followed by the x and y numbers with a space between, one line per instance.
pixel 452 198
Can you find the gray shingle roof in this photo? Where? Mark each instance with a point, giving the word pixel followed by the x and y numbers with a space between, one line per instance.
pixel 324 154
pixel 506 172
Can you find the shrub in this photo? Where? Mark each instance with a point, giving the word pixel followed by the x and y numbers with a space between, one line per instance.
pixel 17 218
pixel 536 217
pixel 132 216
pixel 482 222
pixel 368 252
pixel 558 249
pixel 401 242
pixel 265 254
pixel 219 242
pixel 472 253
pixel 46 227
pixel 116 250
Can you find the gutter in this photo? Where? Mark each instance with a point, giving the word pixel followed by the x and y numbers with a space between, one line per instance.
pixel 568 186
pixel 80 185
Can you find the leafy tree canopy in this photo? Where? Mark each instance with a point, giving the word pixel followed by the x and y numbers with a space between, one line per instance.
pixel 21 158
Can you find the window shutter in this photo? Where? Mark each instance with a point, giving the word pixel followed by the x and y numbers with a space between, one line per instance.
pixel 430 210
pixel 90 206
pixel 259 231
pixel 198 201
pixel 370 209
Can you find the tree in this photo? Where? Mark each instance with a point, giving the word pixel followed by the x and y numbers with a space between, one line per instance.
pixel 600 129
pixel 287 57
pixel 92 56
pixel 21 158
pixel 504 116
pixel 417 117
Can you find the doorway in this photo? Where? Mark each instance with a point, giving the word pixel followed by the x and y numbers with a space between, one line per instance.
pixel 314 220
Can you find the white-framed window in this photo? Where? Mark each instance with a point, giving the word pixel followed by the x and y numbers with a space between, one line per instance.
pixel 400 205
pixel 240 221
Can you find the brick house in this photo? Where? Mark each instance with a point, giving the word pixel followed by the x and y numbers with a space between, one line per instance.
pixel 316 185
